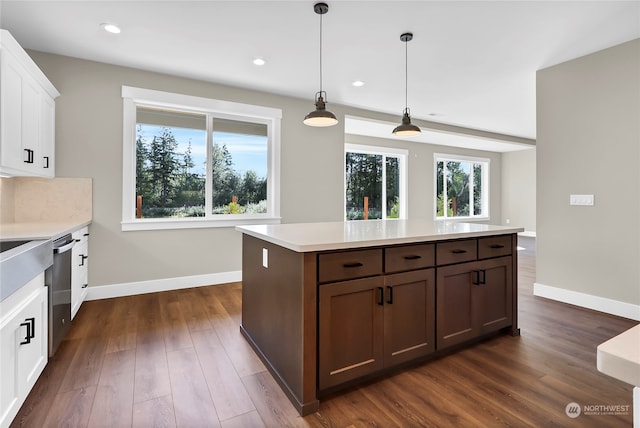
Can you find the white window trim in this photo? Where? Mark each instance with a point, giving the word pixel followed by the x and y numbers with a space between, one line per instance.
pixel 132 97
pixel 401 154
pixel 485 177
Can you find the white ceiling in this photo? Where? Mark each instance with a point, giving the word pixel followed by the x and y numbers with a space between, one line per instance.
pixel 471 63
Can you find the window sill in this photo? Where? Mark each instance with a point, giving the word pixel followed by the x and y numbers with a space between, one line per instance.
pixel 194 223
pixel 463 219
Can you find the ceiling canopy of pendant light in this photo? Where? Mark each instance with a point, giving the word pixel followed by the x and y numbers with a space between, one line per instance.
pixel 320 116
pixel 406 129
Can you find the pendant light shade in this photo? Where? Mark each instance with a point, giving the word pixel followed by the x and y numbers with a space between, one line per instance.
pixel 406 129
pixel 320 116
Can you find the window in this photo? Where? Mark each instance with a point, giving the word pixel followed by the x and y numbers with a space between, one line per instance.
pixel 198 162
pixel 462 187
pixel 375 182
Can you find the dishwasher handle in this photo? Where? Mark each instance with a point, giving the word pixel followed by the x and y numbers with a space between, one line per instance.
pixel 64 248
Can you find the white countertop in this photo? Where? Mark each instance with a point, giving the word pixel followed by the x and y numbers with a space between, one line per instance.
pixel 306 237
pixel 39 230
pixel 619 357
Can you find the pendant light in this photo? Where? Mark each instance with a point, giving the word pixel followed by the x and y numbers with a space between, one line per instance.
pixel 406 129
pixel 320 116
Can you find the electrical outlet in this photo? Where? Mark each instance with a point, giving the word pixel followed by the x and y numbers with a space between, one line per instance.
pixel 265 258
pixel 581 200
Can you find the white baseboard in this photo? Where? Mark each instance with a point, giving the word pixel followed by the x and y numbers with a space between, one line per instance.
pixel 602 304
pixel 166 284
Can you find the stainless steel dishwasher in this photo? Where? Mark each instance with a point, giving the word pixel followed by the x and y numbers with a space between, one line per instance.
pixel 58 278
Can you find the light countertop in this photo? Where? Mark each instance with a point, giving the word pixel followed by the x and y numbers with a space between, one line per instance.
pixel 619 357
pixel 39 230
pixel 306 237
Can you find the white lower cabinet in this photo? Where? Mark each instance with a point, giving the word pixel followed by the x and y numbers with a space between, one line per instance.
pixel 23 345
pixel 79 269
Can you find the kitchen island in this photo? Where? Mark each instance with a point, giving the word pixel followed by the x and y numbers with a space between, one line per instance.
pixel 328 305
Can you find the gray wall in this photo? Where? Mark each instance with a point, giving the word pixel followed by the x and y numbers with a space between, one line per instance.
pixel 89 144
pixel 519 189
pixel 588 142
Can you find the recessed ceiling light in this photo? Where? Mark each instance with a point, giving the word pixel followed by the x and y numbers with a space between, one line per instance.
pixel 111 28
pixel 259 61
pixel 357 83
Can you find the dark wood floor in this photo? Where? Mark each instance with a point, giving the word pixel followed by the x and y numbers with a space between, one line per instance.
pixel 177 359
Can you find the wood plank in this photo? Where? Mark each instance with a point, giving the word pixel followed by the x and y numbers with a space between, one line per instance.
pixel 176 332
pixel 272 404
pixel 191 398
pixel 113 405
pixel 227 390
pixel 71 408
pixel 251 419
pixel 122 334
pixel 156 412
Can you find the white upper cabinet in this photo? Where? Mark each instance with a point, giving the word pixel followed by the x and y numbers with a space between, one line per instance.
pixel 27 114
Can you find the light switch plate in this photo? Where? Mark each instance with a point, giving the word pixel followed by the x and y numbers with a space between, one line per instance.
pixel 581 200
pixel 265 258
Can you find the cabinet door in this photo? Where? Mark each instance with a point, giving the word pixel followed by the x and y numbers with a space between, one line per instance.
pixel 11 155
pixel 33 355
pixel 79 269
pixel 494 294
pixel 409 313
pixel 350 342
pixel 23 349
pixel 455 312
pixel 47 135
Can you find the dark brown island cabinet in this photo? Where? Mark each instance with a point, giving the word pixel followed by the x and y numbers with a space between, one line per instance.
pixel 327 305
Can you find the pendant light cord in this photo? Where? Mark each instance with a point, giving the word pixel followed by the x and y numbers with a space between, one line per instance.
pixel 320 54
pixel 406 75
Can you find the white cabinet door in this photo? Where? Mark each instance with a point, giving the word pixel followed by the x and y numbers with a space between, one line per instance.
pixel 47 135
pixel 24 345
pixel 79 269
pixel 27 114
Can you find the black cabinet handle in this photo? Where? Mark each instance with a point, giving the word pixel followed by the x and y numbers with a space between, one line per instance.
pixel 475 280
pixel 352 265
pixel 86 234
pixel 29 156
pixel 380 296
pixel 30 323
pixel 46 164
pixel 482 277
pixel 414 257
pixel 82 259
pixel 85 285
pixel 390 299
pixel 496 246
pixel 458 251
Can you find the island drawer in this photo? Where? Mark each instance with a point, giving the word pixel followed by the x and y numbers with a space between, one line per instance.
pixel 349 265
pixel 494 246
pixel 409 257
pixel 450 252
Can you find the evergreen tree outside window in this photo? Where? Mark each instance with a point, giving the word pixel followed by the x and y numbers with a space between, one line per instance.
pixel 198 162
pixel 462 189
pixel 375 182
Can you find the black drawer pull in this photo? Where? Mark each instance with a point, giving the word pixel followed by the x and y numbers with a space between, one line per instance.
pixel 390 299
pixel 352 265
pixel 29 156
pixel 82 259
pixel 85 285
pixel 380 296
pixel 414 257
pixel 30 323
pixel 458 251
pixel 46 165
pixel 496 246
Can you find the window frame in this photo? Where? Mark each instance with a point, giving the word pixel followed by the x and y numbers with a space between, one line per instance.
pixel 485 188
pixel 134 97
pixel 402 156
